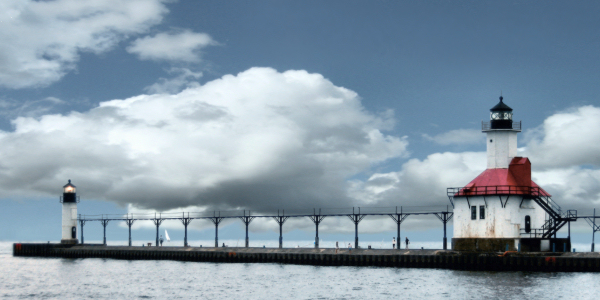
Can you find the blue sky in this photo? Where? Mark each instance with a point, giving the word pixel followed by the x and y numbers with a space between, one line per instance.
pixel 200 105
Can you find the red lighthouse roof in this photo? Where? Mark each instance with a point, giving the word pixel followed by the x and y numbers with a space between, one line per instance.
pixel 514 180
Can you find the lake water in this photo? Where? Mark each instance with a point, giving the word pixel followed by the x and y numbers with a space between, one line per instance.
pixel 52 278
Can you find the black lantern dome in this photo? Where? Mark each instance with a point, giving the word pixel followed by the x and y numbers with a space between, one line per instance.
pixel 69 192
pixel 501 116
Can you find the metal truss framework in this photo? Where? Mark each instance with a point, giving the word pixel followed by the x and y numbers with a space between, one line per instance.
pixel 317 217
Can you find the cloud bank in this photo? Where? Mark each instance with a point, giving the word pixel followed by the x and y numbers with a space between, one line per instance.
pixel 40 41
pixel 260 140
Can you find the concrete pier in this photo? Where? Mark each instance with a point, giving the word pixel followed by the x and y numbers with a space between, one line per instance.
pixel 440 259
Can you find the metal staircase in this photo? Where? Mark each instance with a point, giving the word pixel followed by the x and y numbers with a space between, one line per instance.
pixel 556 217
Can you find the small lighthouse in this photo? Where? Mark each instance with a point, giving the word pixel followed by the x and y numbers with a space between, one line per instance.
pixel 502 208
pixel 69 214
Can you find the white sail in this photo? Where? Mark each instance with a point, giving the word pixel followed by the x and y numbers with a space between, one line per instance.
pixel 167 236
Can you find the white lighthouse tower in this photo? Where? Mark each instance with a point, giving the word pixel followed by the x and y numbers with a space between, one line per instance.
pixel 69 214
pixel 502 208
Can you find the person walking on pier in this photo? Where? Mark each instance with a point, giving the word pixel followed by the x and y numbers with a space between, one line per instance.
pixel 337 247
pixel 394 243
pixel 407 242
pixel 161 240
pixel 349 248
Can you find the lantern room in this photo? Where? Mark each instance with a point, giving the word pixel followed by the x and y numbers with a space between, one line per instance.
pixel 69 194
pixel 501 116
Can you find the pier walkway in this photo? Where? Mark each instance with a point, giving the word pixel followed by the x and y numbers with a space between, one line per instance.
pixel 440 259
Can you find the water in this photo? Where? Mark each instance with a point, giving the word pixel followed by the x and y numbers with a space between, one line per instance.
pixel 94 278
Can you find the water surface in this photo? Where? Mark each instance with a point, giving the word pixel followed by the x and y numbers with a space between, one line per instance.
pixel 96 278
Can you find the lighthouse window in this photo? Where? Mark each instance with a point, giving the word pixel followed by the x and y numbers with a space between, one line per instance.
pixel 482 212
pixel 473 212
pixel 501 116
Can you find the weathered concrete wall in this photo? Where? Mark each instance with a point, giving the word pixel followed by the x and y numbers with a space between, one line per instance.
pixel 499 222
pixel 569 262
pixel 484 244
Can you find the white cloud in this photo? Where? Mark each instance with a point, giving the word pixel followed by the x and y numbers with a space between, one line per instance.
pixel 12 108
pixel 566 139
pixel 260 140
pixel 572 187
pixel 457 137
pixel 40 41
pixel 420 182
pixel 183 46
pixel 183 78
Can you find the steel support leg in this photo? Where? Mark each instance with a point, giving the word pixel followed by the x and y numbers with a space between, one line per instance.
pixel 247 239
pixel 185 243
pixel 216 235
pixel 398 236
pixel 81 223
pixel 280 235
pixel 445 217
pixel 129 223
pixel 398 218
pixel 104 223
pixel 216 220
pixel 356 218
pixel 445 239
pixel 280 220
pixel 157 222
pixel 317 236
pixel 157 225
pixel 356 235
pixel 129 235
pixel 247 219
pixel 185 221
pixel 317 220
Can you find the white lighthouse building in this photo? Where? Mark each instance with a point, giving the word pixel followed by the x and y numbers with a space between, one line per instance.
pixel 502 208
pixel 69 214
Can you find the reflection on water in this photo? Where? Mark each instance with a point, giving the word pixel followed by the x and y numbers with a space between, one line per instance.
pixel 48 278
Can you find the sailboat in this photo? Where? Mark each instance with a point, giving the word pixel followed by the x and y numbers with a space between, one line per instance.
pixel 167 236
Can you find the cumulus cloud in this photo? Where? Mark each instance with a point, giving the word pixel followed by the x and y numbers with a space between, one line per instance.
pixel 259 140
pixel 572 188
pixel 457 137
pixel 40 41
pixel 182 46
pixel 566 139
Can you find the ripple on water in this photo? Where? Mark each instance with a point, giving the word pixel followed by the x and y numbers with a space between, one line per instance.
pixel 41 278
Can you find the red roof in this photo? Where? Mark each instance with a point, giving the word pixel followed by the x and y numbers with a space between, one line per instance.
pixel 514 180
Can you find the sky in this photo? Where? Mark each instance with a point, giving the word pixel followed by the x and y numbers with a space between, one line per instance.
pixel 169 106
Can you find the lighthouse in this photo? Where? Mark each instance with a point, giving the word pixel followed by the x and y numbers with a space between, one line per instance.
pixel 503 209
pixel 69 214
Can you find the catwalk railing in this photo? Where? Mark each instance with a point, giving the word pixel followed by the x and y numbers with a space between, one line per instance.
pixel 355 214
